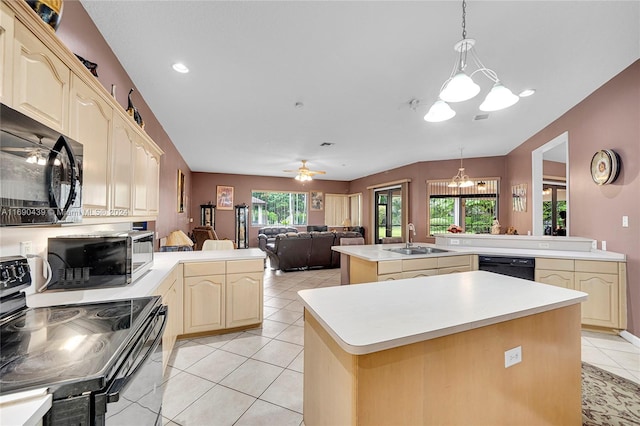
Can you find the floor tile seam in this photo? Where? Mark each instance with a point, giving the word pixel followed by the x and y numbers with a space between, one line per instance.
pixel 611 359
pixel 195 400
pixel 227 375
pixel 633 351
pixel 248 357
pixel 281 406
pixel 276 365
pixel 245 411
pixel 607 367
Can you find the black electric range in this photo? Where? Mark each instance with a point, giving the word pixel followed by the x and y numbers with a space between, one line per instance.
pixel 87 355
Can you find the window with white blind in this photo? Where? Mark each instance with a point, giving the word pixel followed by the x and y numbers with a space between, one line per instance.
pixel 473 208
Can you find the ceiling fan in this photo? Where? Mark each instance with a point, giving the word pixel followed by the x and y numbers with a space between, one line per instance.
pixel 303 172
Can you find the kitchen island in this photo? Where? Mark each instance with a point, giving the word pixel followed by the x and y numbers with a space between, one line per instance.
pixel 432 350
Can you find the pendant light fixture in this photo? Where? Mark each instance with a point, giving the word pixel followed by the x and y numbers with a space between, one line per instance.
pixel 460 86
pixel 461 180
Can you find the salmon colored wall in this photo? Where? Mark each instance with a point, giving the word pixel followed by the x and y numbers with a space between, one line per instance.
pixel 204 190
pixel 553 168
pixel 609 118
pixel 78 32
pixel 419 173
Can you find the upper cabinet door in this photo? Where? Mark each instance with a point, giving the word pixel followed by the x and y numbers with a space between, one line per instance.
pixel 6 56
pixel 40 81
pixel 122 165
pixel 90 121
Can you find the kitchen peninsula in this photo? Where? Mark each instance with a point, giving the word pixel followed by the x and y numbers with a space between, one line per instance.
pixel 567 262
pixel 434 350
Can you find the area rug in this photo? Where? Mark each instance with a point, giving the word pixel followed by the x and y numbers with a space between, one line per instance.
pixel 608 399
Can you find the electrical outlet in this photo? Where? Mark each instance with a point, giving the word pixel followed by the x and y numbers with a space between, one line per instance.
pixel 625 221
pixel 512 357
pixel 604 245
pixel 26 247
pixel 594 244
pixel 543 245
pixel 455 242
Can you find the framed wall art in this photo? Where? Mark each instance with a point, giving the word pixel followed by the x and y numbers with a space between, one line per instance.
pixel 519 196
pixel 181 199
pixel 317 201
pixel 224 197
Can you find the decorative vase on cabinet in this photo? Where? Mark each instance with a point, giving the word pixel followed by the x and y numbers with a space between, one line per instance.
pixel 241 226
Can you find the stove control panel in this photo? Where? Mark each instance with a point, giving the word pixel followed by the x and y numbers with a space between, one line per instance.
pixel 14 274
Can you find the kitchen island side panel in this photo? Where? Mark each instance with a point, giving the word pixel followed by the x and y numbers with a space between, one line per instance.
pixel 457 379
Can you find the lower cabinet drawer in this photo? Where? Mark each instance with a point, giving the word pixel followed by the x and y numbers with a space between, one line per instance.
pixel 196 269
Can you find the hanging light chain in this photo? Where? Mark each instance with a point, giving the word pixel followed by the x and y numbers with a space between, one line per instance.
pixel 464 19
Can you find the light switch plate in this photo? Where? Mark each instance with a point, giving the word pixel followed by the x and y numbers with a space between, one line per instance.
pixel 625 221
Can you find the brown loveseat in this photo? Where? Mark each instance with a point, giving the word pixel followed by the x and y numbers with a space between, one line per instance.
pixel 304 250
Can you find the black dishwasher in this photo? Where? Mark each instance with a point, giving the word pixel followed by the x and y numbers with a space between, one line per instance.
pixel 519 267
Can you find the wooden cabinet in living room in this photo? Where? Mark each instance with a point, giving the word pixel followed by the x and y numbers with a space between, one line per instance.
pixel 40 80
pixel 6 54
pixel 204 296
pixel 244 292
pixel 90 121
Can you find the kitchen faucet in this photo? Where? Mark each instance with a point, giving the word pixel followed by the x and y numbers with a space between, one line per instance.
pixel 410 229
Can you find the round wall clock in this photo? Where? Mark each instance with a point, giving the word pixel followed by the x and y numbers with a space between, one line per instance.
pixel 605 166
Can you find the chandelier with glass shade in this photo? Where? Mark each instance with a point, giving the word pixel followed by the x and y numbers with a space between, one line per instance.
pixel 460 86
pixel 460 180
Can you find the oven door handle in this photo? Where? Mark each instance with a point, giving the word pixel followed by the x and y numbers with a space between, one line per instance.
pixel 113 394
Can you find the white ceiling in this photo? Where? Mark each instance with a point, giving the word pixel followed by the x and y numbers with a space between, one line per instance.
pixel 355 66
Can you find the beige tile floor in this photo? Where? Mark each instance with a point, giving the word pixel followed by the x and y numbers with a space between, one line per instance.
pixel 255 377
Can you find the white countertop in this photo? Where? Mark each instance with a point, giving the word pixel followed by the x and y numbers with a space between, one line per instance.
pixel 163 263
pixel 24 408
pixel 379 252
pixel 368 318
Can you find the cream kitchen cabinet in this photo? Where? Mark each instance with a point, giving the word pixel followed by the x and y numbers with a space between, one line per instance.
pixel 204 297
pixel 6 54
pixel 171 292
pixel 40 80
pixel 605 282
pixel 43 79
pixel 558 272
pixel 244 292
pixel 146 175
pixel 222 295
pixel 363 271
pixel 90 121
pixel 452 264
pixel 121 178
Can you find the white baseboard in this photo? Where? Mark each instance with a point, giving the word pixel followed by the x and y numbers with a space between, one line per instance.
pixel 634 340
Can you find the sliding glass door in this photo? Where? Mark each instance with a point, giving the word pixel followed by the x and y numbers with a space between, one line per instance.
pixel 388 213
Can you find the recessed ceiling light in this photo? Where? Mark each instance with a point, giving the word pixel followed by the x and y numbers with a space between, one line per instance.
pixel 182 68
pixel 527 92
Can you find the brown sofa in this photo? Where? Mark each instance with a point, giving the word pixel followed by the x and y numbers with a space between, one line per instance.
pixel 267 235
pixel 304 250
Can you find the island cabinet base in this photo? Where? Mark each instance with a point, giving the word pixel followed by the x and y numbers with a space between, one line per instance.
pixel 459 379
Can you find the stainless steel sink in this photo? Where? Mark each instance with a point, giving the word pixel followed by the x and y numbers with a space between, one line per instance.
pixel 417 250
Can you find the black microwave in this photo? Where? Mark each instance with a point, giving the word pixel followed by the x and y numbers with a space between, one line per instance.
pixel 40 173
pixel 107 259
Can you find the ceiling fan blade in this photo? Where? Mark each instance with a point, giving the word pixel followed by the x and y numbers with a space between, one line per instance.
pixel 290 171
pixel 316 172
